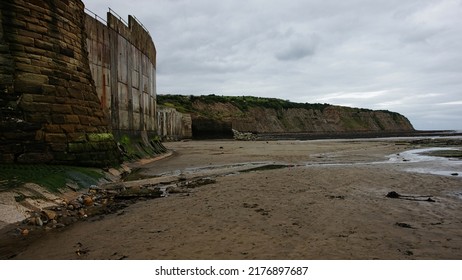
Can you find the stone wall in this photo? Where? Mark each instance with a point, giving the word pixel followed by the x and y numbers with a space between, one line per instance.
pixel 123 65
pixel 49 108
pixel 173 125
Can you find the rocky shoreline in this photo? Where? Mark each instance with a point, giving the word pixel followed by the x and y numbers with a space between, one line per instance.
pixel 90 205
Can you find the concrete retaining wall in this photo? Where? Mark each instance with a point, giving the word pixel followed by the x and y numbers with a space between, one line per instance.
pixel 173 125
pixel 123 65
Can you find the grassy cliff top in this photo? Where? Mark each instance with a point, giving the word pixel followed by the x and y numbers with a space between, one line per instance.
pixel 184 103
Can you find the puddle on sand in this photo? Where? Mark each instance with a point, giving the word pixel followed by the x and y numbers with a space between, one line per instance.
pixel 421 161
pixel 416 160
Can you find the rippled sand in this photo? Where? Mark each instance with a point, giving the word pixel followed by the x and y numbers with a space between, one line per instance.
pixel 328 203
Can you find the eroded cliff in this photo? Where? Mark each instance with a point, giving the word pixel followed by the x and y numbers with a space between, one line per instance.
pixel 215 116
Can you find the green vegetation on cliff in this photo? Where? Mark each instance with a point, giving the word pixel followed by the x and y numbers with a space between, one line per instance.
pixel 184 103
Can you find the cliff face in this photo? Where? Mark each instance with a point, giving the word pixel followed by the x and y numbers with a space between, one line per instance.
pixel 331 119
pixel 218 115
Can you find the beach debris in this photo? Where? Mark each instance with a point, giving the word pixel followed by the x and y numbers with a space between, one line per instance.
pixel 342 197
pixel 195 183
pixel 396 195
pixel 248 205
pixel 80 250
pixel 403 225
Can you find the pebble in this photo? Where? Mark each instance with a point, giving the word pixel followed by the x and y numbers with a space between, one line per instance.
pixel 51 215
pixel 38 221
pixel 88 201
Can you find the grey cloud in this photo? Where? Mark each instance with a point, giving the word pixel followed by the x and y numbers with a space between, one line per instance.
pixel 296 50
pixel 343 52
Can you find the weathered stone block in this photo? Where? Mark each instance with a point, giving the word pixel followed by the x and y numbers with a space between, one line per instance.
pixel 30 34
pixel 31 78
pixel 72 119
pixel 100 137
pixel 39 117
pixel 36 51
pixel 58 119
pixel 27 88
pixel 77 137
pixel 35 107
pixel 85 120
pixel 35 158
pixel 58 147
pixel 35 147
pixel 56 137
pixel 39 135
pixel 75 93
pixel 68 128
pixel 26 41
pixel 37 28
pixel 61 109
pixel 49 90
pixel 29 68
pixel 78 147
pixel 41 44
pixel 39 98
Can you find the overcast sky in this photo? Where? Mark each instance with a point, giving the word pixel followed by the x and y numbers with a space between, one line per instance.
pixel 399 55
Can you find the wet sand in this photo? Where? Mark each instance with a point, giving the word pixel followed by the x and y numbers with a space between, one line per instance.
pixel 329 203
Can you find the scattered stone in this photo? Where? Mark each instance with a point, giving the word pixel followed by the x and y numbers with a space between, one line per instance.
pixel 244 136
pixel 393 194
pixel 88 201
pixel 50 214
pixel 38 221
pixel 81 213
pixel 25 232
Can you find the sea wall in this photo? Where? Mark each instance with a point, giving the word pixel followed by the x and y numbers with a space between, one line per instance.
pixel 173 125
pixel 123 65
pixel 50 111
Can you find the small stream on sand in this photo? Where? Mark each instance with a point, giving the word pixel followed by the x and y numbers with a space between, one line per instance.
pixel 419 161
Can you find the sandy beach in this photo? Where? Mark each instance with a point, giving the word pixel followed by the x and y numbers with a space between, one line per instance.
pixel 326 201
